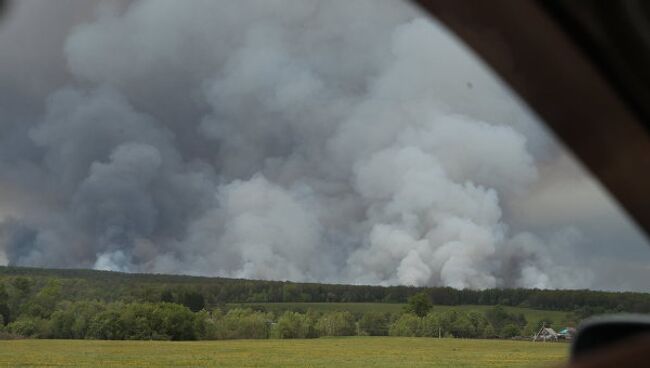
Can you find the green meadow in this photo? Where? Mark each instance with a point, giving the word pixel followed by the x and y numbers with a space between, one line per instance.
pixel 323 352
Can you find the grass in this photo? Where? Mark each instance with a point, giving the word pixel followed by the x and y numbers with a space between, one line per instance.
pixel 324 352
pixel 559 318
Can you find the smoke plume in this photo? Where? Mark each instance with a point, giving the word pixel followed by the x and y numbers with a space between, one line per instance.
pixel 298 140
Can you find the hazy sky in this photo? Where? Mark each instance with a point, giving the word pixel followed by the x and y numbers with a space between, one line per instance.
pixel 349 141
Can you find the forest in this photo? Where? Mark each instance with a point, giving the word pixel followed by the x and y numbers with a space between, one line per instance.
pixel 85 304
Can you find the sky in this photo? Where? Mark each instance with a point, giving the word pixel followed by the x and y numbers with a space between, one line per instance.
pixel 346 142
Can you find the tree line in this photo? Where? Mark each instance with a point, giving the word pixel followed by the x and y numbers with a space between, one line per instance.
pixel 45 317
pixel 214 292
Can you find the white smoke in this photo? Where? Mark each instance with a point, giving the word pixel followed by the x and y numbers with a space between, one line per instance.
pixel 296 140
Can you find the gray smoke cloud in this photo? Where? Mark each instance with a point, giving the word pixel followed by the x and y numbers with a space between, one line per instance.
pixel 349 142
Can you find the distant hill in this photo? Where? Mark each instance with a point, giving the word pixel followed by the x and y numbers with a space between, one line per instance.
pixel 81 284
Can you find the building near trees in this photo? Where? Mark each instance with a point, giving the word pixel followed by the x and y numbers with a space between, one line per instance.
pixel 546 334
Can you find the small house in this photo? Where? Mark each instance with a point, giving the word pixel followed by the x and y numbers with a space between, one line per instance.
pixel 545 334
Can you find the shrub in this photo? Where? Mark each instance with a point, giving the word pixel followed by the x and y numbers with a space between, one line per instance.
pixel 431 326
pixel 29 327
pixel 241 324
pixel 463 327
pixel 510 330
pixel 407 325
pixel 293 325
pixel 176 321
pixel 336 324
pixel 72 320
pixel 374 324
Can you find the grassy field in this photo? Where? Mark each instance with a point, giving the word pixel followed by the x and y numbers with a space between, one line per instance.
pixel 532 315
pixel 323 352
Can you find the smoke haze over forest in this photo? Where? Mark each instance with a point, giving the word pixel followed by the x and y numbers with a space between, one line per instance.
pixel 354 142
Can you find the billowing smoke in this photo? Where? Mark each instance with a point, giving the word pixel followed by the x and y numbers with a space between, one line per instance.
pixel 303 140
